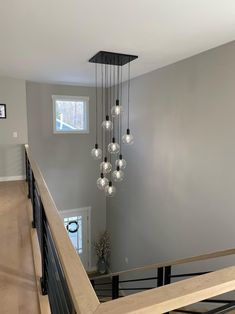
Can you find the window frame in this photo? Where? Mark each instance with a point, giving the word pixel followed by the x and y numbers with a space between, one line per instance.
pixel 85 99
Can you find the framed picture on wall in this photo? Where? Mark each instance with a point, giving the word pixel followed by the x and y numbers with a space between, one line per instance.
pixel 3 112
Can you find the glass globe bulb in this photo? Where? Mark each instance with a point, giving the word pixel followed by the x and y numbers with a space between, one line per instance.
pixel 121 163
pixel 113 147
pixel 128 138
pixel 118 175
pixel 102 182
pixel 105 166
pixel 110 190
pixel 107 124
pixel 116 110
pixel 96 152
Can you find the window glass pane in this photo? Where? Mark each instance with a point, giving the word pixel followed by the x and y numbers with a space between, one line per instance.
pixel 76 237
pixel 73 218
pixel 70 115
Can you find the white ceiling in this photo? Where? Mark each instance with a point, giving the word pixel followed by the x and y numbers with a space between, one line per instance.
pixel 52 40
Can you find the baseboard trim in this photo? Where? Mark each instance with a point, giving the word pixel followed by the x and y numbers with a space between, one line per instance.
pixel 12 178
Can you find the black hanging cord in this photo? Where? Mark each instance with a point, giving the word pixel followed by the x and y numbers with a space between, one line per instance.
pixel 106 110
pixel 114 80
pixel 128 101
pixel 118 70
pixel 110 101
pixel 102 107
pixel 106 96
pixel 110 87
pixel 120 117
pixel 117 98
pixel 96 106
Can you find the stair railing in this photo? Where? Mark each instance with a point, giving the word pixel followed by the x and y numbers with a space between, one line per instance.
pixel 64 278
pixel 70 291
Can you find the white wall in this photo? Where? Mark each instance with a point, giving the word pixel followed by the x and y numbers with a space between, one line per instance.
pixel 65 159
pixel 178 196
pixel 12 93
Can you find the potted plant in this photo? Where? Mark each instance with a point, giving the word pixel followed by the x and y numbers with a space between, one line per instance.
pixel 103 250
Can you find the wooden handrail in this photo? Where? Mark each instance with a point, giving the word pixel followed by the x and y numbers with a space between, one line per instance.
pixel 82 293
pixel 173 296
pixel 191 259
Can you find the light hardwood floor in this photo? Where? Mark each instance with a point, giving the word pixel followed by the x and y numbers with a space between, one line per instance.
pixel 18 292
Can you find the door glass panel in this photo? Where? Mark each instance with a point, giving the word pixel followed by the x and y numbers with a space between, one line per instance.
pixel 75 237
pixel 77 227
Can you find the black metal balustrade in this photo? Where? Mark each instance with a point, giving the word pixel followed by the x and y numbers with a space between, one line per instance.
pixel 53 281
pixel 116 287
pixel 164 277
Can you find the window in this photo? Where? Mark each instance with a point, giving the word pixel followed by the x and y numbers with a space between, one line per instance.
pixel 70 114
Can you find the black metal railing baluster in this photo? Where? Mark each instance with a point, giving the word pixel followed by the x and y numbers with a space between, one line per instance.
pixel 29 179
pixel 160 274
pixel 167 275
pixel 42 234
pixel 26 165
pixel 37 202
pixel 115 287
pixel 33 202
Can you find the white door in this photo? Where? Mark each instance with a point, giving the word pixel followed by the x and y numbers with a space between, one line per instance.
pixel 77 224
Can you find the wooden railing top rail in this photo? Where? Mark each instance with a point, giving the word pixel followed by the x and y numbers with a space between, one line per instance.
pixel 173 296
pixel 83 295
pixel 191 259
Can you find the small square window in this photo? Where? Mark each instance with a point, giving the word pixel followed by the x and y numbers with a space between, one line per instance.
pixel 70 114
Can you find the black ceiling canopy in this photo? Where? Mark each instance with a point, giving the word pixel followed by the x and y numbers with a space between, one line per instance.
pixel 112 58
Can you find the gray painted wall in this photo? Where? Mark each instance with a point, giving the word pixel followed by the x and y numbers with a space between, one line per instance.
pixel 178 196
pixel 12 93
pixel 65 159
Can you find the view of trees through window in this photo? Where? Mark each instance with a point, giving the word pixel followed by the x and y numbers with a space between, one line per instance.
pixel 70 115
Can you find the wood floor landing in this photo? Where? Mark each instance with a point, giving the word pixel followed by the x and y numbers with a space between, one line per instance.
pixel 18 292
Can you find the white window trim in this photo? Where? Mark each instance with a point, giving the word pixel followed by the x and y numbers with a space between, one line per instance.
pixel 71 98
pixel 75 212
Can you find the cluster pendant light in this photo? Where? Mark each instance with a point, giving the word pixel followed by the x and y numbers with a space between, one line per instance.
pixel 110 110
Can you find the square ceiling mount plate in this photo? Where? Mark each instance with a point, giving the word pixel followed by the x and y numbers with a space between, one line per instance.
pixel 112 58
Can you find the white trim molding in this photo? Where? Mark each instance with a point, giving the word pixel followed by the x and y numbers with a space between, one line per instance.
pixel 12 178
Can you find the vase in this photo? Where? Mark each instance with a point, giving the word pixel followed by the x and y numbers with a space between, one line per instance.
pixel 102 266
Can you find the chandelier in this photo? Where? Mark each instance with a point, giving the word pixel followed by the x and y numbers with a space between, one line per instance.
pixel 110 115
